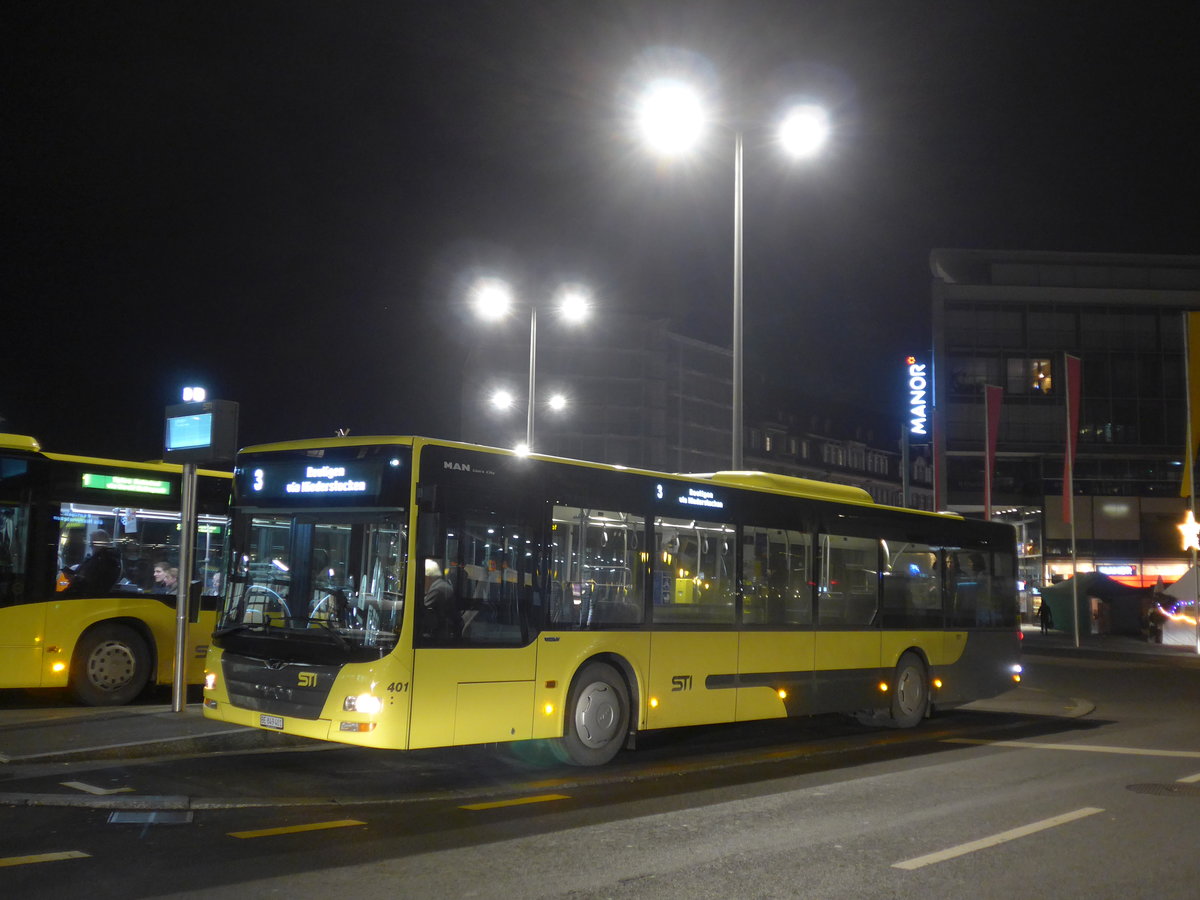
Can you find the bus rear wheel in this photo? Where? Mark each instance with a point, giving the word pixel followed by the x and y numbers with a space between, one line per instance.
pixel 597 716
pixel 111 666
pixel 910 692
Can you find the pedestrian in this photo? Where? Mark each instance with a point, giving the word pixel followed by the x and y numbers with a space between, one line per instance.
pixel 1046 616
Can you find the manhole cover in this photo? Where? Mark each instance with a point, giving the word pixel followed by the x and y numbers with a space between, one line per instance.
pixel 1166 790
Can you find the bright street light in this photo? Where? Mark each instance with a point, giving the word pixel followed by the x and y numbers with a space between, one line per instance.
pixel 672 118
pixel 493 299
pixel 502 399
pixel 804 131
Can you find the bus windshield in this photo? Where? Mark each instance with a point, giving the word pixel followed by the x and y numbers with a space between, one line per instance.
pixel 328 580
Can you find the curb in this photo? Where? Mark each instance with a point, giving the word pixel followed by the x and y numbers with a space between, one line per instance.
pixel 187 745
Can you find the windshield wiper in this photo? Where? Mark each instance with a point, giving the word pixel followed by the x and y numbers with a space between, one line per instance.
pixel 240 626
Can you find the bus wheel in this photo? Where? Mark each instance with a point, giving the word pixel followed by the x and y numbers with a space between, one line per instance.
pixel 597 716
pixel 910 692
pixel 111 666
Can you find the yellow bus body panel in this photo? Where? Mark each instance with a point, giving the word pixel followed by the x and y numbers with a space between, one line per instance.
pixel 22 645
pixel 847 650
pixel 439 679
pixel 761 652
pixel 680 663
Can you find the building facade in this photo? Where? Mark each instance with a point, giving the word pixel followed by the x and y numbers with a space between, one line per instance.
pixel 1009 319
pixel 640 395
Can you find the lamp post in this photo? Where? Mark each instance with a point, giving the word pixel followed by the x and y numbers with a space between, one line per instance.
pixel 672 119
pixel 493 300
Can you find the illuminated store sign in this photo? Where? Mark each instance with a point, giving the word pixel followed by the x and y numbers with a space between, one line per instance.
pixel 918 394
pixel 1117 570
pixel 125 483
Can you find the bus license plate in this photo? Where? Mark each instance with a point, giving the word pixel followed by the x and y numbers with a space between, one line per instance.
pixel 270 721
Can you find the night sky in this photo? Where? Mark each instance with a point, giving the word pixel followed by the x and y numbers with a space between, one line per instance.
pixel 285 201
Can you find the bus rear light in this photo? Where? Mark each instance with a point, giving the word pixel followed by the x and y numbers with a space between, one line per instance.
pixel 356 726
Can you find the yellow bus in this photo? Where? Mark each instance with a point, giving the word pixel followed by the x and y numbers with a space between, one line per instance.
pixel 402 592
pixel 89 556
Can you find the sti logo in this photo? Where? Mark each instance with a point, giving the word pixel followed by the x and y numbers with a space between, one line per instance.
pixel 307 679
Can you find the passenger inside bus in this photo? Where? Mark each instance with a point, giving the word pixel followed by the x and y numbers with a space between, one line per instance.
pixel 440 620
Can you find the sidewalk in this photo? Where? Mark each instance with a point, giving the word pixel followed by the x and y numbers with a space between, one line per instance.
pixel 71 734
pixel 1110 646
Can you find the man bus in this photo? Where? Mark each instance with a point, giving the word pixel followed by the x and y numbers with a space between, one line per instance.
pixel 89 560
pixel 403 592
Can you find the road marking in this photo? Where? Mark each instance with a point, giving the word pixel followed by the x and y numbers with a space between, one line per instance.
pixel 42 857
pixel 92 789
pixel 293 829
pixel 1083 748
pixel 520 801
pixel 983 843
pixel 1190 779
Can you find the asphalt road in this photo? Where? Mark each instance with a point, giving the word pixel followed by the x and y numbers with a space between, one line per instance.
pixel 1089 789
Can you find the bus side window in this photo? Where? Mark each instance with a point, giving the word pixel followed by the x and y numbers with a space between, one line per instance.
pixel 849 580
pixel 596 569
pixel 14 528
pixel 776 585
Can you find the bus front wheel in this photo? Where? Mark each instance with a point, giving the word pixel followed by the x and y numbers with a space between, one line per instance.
pixel 910 692
pixel 597 716
pixel 111 666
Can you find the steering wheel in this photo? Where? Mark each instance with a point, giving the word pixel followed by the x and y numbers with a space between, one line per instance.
pixel 271 602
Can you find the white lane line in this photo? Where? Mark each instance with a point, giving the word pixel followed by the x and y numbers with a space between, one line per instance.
pixel 1082 748
pixel 1190 779
pixel 92 789
pixel 1011 835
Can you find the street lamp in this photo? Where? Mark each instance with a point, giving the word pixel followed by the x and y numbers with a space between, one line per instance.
pixel 493 300
pixel 672 119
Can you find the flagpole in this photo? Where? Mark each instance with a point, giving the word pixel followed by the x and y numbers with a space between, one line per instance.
pixel 1189 463
pixel 1070 497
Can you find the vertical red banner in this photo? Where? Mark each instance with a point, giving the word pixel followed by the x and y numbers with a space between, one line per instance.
pixel 1073 393
pixel 992 397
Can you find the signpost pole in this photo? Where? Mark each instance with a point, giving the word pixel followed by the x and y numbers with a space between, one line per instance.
pixel 187 543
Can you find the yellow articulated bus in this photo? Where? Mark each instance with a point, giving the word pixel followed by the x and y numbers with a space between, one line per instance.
pixel 401 592
pixel 89 556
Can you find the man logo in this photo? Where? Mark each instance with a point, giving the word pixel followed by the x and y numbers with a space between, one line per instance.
pixel 307 679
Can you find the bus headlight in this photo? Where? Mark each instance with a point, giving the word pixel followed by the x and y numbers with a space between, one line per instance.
pixel 363 703
pixel 210 680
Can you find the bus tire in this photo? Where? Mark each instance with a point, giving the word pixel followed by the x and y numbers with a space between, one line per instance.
pixel 597 716
pixel 910 692
pixel 110 667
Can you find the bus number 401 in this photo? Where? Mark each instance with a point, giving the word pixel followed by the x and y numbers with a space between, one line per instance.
pixel 681 683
